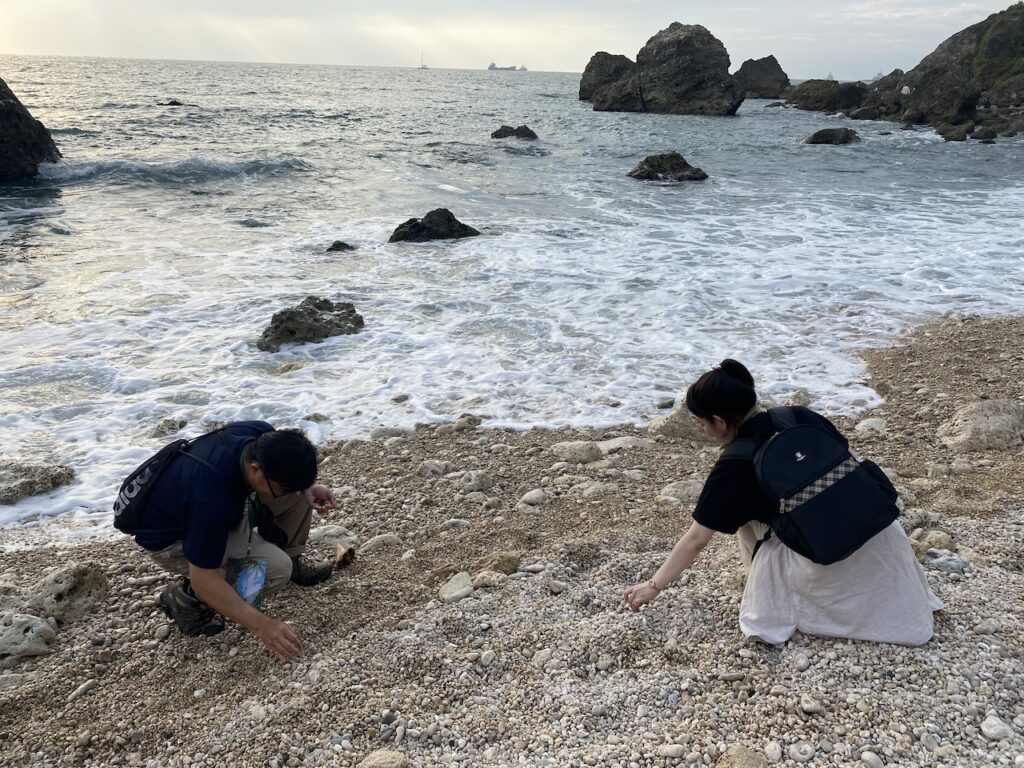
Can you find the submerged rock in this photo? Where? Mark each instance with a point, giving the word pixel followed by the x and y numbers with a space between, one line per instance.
pixel 438 224
pixel 762 78
pixel 507 131
pixel 670 166
pixel 833 136
pixel 682 70
pixel 313 320
pixel 24 141
pixel 19 479
pixel 340 245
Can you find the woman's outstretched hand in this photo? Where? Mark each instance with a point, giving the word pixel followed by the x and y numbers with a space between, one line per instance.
pixel 639 594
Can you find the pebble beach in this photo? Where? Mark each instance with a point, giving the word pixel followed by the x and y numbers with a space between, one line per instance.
pixel 482 622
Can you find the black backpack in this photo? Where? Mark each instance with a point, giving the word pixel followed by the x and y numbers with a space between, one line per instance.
pixel 133 497
pixel 830 502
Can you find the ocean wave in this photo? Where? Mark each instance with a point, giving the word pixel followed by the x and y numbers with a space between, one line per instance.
pixel 197 168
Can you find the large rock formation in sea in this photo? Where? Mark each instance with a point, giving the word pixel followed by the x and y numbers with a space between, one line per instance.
pixel 974 81
pixel 24 141
pixel 762 78
pixel 682 70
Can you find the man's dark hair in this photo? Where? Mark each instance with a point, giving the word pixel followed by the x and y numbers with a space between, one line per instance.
pixel 287 457
pixel 727 391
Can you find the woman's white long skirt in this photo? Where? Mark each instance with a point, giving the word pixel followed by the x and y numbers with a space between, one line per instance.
pixel 878 593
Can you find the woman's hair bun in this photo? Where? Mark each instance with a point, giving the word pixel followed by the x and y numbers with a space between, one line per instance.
pixel 737 370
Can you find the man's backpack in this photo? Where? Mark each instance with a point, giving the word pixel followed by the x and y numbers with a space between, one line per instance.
pixel 135 491
pixel 830 502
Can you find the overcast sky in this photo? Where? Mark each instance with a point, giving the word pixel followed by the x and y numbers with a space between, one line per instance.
pixel 810 38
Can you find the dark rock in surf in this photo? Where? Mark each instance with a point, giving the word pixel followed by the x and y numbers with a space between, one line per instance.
pixel 171 103
pixel 507 131
pixel 774 105
pixel 24 141
pixel 833 136
pixel 682 70
pixel 340 245
pixel 439 224
pixel 863 113
pixel 670 166
pixel 762 78
pixel 826 95
pixel 603 69
pixel 953 132
pixel 313 320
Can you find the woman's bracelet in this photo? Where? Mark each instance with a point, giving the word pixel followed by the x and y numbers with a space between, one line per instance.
pixel 654 585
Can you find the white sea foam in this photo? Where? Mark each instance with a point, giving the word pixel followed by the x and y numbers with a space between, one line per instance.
pixel 588 298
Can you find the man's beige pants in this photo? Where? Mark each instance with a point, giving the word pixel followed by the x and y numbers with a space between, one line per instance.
pixel 292 516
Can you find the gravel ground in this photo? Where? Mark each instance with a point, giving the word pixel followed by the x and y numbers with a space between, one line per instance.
pixel 540 664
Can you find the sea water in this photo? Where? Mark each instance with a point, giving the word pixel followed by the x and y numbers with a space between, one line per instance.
pixel 137 274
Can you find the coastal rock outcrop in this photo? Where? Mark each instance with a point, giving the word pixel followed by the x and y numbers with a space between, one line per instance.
pixel 670 166
pixel 339 246
pixel 19 479
pixel 314 319
pixel 678 422
pixel 826 95
pixel 67 593
pixel 833 136
pixel 975 77
pixel 762 78
pixel 682 70
pixel 507 131
pixel 438 224
pixel 603 69
pixel 24 141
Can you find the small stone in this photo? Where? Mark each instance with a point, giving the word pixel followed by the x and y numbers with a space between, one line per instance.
pixel 801 752
pixel 489 579
pixel 487 658
pixel 671 750
pixel 995 729
pixel 577 452
pixel 83 689
pixel 535 498
pixel 801 662
pixel 458 587
pixel 871 760
pixel 945 561
pixel 475 480
pixel 385 758
pixel 986 627
pixel 557 587
pixel 163 632
pixel 809 705
pixel 380 542
pixel 741 757
pixel 773 751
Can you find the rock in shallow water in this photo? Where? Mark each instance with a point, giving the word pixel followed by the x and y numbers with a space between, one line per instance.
pixel 833 136
pixel 19 479
pixel 24 141
pixel 507 131
pixel 313 320
pixel 438 224
pixel 670 166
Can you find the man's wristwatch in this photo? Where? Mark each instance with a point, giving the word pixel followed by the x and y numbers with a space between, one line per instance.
pixel 653 585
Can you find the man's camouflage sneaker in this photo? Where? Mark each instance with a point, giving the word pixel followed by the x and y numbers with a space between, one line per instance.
pixel 306 574
pixel 192 615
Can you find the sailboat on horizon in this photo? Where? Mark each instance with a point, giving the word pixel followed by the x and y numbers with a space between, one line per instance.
pixel 422 65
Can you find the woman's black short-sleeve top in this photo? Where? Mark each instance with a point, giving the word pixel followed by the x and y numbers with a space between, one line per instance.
pixel 731 496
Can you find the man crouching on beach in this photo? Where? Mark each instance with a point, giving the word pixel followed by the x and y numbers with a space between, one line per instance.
pixel 199 522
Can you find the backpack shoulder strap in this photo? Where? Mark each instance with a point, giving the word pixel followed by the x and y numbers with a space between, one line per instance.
pixel 742 448
pixel 783 417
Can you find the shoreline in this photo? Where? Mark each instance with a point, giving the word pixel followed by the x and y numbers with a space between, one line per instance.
pixel 570 678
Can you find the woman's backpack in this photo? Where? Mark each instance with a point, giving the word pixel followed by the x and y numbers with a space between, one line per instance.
pixel 830 502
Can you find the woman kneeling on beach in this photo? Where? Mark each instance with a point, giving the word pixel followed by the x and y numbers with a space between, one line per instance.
pixel 878 593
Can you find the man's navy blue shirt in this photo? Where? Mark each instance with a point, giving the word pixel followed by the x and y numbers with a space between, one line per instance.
pixel 198 503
